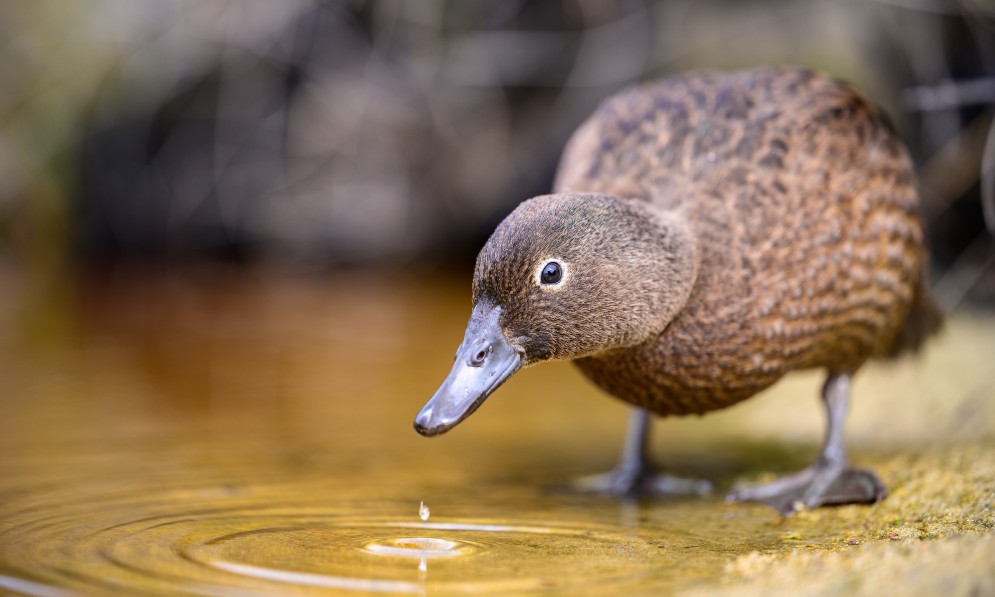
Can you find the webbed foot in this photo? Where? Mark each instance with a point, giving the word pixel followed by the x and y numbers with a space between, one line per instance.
pixel 626 481
pixel 822 484
pixel 830 481
pixel 635 475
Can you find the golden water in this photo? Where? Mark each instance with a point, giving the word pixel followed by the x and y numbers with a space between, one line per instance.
pixel 230 433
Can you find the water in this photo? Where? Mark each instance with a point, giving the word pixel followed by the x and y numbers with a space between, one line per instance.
pixel 232 433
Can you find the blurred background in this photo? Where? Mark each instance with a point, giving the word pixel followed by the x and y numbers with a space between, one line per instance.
pixel 212 202
pixel 320 134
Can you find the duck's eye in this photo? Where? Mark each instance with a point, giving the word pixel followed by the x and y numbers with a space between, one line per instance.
pixel 551 273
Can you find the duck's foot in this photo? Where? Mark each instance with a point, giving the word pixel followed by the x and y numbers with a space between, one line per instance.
pixel 635 475
pixel 822 484
pixel 630 482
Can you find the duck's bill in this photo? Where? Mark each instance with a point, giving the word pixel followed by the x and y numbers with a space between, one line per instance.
pixel 484 361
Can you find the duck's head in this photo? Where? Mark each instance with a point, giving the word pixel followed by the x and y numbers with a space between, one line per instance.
pixel 564 276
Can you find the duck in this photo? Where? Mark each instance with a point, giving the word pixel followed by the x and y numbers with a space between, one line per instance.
pixel 708 234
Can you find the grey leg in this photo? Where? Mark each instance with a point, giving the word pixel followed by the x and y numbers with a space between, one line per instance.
pixel 635 475
pixel 829 480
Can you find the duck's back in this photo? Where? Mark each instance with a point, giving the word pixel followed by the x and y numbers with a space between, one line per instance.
pixel 803 204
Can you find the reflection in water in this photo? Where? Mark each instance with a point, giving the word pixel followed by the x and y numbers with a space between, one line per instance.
pixel 239 434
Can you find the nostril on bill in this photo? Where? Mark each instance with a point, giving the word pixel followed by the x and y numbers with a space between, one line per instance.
pixel 478 359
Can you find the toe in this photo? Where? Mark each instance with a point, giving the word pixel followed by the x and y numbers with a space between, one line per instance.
pixel 853 486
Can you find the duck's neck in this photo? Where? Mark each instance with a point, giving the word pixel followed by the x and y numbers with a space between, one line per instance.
pixel 667 268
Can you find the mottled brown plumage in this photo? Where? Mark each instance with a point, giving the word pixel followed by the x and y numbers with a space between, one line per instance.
pixel 715 232
pixel 802 204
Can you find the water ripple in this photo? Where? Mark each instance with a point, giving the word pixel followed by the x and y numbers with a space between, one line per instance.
pixel 290 549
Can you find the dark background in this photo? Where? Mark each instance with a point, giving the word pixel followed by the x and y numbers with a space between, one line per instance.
pixel 319 135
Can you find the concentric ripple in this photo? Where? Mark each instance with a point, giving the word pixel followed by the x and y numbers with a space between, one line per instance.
pixel 272 550
pixel 459 556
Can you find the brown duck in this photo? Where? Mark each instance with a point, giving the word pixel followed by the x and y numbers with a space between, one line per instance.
pixel 708 234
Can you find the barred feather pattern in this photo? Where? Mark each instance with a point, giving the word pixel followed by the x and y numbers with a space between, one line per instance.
pixel 802 205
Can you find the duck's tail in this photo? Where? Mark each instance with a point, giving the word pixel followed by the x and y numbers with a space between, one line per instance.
pixel 924 320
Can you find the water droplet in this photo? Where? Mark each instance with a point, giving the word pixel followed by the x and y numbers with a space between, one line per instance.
pixel 423 511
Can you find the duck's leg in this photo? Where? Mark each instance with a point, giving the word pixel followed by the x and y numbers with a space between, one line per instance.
pixel 829 480
pixel 635 475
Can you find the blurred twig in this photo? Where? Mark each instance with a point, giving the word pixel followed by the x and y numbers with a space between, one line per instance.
pixel 941 7
pixel 950 94
pixel 988 180
pixel 952 170
pixel 955 284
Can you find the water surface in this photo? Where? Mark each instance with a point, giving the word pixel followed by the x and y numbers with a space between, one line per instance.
pixel 227 432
